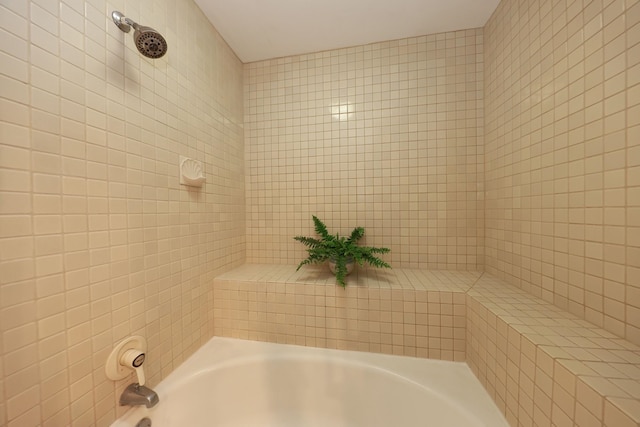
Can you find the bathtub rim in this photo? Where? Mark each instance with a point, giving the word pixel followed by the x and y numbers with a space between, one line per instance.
pixel 220 352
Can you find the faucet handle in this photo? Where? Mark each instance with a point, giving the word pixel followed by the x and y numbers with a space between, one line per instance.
pixel 134 359
pixel 126 355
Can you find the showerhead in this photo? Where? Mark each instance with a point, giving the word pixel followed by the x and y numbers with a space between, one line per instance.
pixel 149 42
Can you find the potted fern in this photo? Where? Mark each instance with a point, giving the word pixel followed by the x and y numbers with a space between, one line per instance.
pixel 341 252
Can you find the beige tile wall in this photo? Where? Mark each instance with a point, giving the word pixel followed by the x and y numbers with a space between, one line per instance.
pixel 387 136
pixel 98 240
pixel 562 122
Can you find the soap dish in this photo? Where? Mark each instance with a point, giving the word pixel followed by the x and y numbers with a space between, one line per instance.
pixel 191 173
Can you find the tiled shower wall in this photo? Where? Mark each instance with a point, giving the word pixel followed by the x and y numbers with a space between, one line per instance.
pixel 386 136
pixel 562 110
pixel 98 240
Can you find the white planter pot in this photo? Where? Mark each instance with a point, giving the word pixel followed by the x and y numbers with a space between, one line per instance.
pixel 350 266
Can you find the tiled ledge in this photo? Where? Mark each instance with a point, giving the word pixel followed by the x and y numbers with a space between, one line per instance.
pixel 398 311
pixel 396 279
pixel 542 365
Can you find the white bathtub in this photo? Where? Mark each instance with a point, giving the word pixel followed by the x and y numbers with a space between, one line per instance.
pixel 231 383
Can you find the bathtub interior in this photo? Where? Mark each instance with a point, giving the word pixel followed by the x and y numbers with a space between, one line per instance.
pixel 231 383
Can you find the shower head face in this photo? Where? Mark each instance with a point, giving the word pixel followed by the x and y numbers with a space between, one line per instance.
pixel 149 42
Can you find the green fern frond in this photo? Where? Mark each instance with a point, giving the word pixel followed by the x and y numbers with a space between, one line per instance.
pixel 374 250
pixel 320 228
pixel 341 271
pixel 308 241
pixel 356 234
pixel 376 262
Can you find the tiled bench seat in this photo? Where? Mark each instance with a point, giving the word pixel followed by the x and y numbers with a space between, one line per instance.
pixel 542 365
pixel 397 311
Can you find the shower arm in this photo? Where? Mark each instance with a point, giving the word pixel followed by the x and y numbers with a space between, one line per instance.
pixel 123 22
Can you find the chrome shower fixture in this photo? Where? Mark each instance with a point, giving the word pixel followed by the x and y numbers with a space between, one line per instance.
pixel 149 42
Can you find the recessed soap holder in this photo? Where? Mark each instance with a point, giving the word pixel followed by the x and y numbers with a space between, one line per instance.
pixel 191 172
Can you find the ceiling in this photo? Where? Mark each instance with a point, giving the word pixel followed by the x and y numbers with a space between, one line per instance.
pixel 264 29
